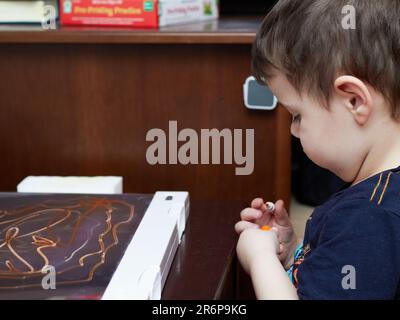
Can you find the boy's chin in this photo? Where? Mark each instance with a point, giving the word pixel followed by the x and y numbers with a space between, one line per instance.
pixel 336 169
pixel 346 176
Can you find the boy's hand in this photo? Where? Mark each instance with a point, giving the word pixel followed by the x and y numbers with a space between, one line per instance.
pixel 257 216
pixel 255 243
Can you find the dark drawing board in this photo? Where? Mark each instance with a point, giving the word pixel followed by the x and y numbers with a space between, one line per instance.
pixel 82 236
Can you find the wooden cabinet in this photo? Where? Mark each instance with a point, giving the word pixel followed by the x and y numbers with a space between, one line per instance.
pixel 80 101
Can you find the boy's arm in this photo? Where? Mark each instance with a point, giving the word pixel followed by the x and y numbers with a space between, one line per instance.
pixel 292 250
pixel 257 252
pixel 270 280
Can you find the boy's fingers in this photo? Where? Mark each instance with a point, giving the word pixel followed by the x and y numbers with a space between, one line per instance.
pixel 257 203
pixel 281 215
pixel 250 214
pixel 243 225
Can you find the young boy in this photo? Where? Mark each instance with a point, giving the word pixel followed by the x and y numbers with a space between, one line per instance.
pixel 342 86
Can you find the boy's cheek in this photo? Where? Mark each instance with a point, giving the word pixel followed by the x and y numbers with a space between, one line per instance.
pixel 315 149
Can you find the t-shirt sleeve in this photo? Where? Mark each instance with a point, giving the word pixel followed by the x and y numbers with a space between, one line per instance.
pixel 356 256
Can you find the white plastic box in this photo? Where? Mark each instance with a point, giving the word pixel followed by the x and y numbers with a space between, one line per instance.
pixel 144 268
pixel 87 185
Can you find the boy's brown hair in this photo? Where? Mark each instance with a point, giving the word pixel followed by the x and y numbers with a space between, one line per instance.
pixel 305 39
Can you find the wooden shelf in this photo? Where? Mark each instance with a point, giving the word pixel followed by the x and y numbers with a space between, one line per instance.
pixel 226 30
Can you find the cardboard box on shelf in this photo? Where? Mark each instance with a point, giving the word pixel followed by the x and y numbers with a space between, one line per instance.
pixel 137 13
pixel 132 13
pixel 184 11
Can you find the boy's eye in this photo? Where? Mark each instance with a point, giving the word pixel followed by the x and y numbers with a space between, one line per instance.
pixel 296 118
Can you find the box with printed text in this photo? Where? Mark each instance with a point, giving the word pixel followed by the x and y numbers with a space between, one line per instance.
pixel 132 13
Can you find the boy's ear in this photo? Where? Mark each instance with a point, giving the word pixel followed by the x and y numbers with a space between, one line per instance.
pixel 357 97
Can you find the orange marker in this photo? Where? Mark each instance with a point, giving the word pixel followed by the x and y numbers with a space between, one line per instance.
pixel 265 228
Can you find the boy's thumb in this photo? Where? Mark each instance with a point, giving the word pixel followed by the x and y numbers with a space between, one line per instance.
pixel 281 214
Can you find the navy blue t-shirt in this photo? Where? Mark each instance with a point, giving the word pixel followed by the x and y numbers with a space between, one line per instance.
pixel 351 248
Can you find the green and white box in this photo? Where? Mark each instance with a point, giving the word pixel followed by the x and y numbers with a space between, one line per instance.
pixel 173 12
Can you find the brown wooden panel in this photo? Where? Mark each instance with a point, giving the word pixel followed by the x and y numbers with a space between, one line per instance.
pixel 86 109
pixel 204 266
